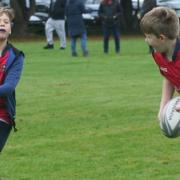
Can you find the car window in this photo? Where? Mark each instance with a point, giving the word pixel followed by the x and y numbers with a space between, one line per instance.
pixel 174 4
pixel 168 2
pixel 5 2
pixel 164 1
pixel 43 1
pixel 93 1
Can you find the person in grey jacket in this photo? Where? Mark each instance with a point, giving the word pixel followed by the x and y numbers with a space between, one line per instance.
pixel 76 27
pixel 56 21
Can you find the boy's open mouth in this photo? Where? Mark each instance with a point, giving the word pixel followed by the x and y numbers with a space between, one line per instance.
pixel 2 30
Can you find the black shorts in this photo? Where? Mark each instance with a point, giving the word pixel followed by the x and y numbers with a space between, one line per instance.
pixel 5 130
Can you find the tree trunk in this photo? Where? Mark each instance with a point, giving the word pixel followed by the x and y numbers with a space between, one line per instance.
pixel 127 15
pixel 22 14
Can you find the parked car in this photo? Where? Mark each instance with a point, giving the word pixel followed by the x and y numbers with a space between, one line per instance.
pixel 41 13
pixel 92 7
pixel 174 4
pixel 91 18
pixel 5 3
pixel 42 6
pixel 136 5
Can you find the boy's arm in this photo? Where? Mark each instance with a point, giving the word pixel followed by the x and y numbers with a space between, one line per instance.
pixel 167 93
pixel 12 77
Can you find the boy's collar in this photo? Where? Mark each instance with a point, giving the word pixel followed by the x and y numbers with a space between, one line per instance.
pixel 177 48
pixel 5 49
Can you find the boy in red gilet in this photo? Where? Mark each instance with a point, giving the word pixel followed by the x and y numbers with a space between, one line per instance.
pixel 161 29
pixel 11 63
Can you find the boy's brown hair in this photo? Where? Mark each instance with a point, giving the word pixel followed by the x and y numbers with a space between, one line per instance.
pixel 8 11
pixel 161 20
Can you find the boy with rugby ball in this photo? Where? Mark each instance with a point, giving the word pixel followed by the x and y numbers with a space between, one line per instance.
pixel 161 29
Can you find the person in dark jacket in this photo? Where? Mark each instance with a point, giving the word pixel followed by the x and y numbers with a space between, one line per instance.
pixel 109 13
pixel 11 64
pixel 76 26
pixel 56 21
pixel 146 6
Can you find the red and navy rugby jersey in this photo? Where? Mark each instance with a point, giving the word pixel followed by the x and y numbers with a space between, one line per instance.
pixel 4 115
pixel 170 69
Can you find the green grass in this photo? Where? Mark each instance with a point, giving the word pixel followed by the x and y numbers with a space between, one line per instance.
pixel 89 118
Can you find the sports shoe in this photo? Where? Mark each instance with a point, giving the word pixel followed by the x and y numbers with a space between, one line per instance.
pixel 74 54
pixel 62 48
pixel 49 46
pixel 85 54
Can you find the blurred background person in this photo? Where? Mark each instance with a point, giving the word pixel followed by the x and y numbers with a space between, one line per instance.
pixel 109 13
pixel 76 26
pixel 146 7
pixel 56 21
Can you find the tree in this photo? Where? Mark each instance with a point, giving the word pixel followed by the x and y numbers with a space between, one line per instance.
pixel 22 14
pixel 127 15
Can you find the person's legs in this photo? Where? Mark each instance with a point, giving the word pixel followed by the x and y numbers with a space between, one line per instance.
pixel 60 30
pixel 106 34
pixel 84 43
pixel 73 45
pixel 5 130
pixel 49 28
pixel 116 35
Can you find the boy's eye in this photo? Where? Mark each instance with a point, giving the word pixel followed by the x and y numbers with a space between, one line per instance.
pixel 4 21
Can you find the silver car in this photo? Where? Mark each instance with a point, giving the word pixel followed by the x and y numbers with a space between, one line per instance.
pixel 174 4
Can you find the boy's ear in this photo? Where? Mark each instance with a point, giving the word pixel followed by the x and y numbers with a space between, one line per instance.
pixel 162 37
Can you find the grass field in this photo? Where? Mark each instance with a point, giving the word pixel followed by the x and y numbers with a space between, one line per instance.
pixel 89 118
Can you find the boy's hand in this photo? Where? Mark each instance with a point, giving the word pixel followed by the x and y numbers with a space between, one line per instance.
pixel 177 108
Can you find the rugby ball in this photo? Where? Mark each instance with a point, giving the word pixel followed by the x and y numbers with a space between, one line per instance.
pixel 170 119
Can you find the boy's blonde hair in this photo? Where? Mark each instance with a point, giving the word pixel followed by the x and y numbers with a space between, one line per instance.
pixel 161 20
pixel 8 11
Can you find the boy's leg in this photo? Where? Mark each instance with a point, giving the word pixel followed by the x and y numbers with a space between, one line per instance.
pixel 5 130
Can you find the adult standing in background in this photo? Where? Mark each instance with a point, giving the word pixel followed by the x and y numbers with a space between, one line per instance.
pixel 76 26
pixel 109 12
pixel 56 21
pixel 146 6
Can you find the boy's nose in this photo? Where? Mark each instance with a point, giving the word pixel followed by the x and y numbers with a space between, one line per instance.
pixel 1 24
